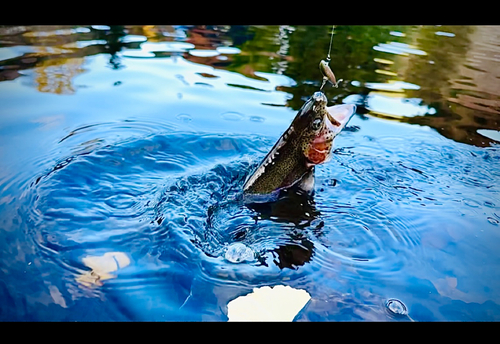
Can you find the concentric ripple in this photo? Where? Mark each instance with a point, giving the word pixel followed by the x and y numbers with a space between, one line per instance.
pixel 128 214
pixel 112 198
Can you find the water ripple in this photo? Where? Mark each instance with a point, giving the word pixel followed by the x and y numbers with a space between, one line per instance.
pixel 135 191
pixel 170 204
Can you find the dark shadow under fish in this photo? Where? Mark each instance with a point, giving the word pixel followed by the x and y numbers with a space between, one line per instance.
pixel 292 207
pixel 306 143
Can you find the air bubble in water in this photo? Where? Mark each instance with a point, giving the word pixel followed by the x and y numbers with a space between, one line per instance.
pixel 238 252
pixel 396 307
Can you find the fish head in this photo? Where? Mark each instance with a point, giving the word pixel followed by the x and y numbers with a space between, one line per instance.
pixel 317 126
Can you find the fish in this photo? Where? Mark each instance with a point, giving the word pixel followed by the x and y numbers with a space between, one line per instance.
pixel 306 143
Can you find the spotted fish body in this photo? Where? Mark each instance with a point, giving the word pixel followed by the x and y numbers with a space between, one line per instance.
pixel 306 143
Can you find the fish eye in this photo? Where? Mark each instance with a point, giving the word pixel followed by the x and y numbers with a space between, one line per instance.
pixel 316 124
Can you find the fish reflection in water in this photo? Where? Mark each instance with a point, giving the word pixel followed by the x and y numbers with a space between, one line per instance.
pixel 282 221
pixel 299 209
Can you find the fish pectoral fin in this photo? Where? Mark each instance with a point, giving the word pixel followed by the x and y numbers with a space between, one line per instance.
pixel 306 183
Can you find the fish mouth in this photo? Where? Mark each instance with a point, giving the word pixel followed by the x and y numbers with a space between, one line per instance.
pixel 338 116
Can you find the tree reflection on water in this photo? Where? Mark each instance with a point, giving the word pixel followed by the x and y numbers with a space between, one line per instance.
pixel 463 82
pixel 457 74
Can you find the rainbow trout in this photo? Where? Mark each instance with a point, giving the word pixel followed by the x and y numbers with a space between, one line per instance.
pixel 306 143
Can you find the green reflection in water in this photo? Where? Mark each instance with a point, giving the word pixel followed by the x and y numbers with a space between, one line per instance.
pixel 455 68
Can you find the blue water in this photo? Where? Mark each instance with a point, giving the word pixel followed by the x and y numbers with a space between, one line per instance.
pixel 136 141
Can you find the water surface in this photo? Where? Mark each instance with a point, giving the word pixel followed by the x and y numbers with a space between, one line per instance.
pixel 124 151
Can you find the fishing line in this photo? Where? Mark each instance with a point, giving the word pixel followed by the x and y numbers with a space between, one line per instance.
pixel 330 48
pixel 325 68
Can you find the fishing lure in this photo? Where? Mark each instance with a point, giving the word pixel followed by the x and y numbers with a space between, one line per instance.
pixel 325 69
